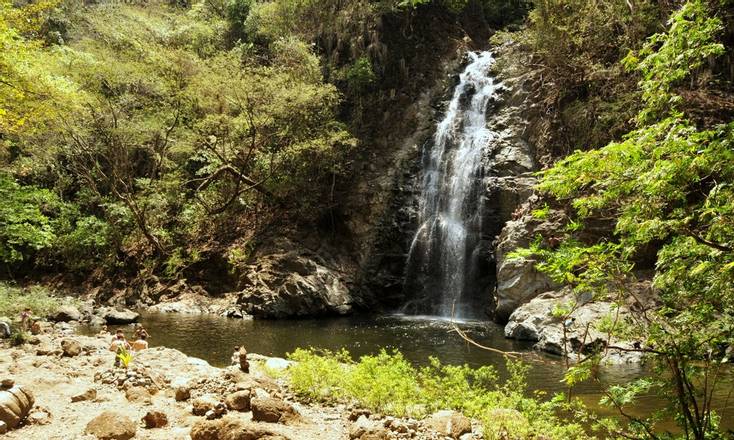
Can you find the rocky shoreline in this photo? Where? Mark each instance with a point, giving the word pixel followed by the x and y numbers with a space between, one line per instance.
pixel 164 394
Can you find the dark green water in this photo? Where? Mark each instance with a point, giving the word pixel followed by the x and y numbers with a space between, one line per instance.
pixel 212 338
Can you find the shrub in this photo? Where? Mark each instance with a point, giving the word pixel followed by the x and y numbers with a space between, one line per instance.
pixel 390 384
pixel 13 300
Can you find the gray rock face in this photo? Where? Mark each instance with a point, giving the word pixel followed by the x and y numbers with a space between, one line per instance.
pixel 290 284
pixel 517 279
pixel 534 321
pixel 111 425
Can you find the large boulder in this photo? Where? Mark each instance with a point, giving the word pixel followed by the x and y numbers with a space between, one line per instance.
pixel 66 313
pixel 111 425
pixel 15 404
pixel 576 333
pixel 291 284
pixel 123 316
pixel 517 279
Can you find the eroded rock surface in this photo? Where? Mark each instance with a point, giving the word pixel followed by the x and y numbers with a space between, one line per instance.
pixel 291 284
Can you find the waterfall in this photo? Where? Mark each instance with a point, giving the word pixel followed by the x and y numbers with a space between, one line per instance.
pixel 444 258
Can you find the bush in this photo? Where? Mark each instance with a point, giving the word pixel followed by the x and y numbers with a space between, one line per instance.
pixel 13 300
pixel 390 384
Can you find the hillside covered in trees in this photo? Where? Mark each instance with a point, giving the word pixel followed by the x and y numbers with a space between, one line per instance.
pixel 271 155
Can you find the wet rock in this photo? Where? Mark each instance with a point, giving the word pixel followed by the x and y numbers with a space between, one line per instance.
pixel 155 419
pixel 89 394
pixel 15 404
pixel 111 425
pixel 201 405
pixel 125 316
pixel 449 423
pixel 291 284
pixel 4 330
pixel 67 313
pixel 3 427
pixel 273 411
pixel 71 347
pixel 177 307
pixel 239 401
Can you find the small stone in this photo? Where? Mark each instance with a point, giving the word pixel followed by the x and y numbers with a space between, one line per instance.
pixel 272 411
pixel 138 394
pixel 111 425
pixel 239 401
pixel 155 419
pixel 201 405
pixel 71 347
pixel 183 393
pixel 3 427
pixel 89 394
pixel 7 383
pixel 38 418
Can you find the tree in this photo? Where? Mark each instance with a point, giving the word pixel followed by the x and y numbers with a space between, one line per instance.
pixel 667 184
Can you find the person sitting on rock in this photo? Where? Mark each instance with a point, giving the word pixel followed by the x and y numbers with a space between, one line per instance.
pixel 141 343
pixel 25 319
pixel 103 333
pixel 118 345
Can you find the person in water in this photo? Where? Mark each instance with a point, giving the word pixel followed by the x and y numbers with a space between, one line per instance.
pixel 140 331
pixel 118 345
pixel 141 343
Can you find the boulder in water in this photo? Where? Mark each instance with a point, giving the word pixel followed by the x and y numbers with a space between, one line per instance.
pixel 125 316
pixel 67 313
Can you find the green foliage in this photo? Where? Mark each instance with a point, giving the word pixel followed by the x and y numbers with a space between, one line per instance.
pixel 24 228
pixel 14 300
pixel 125 357
pixel 18 338
pixel 360 75
pixel 669 57
pixel 667 184
pixel 388 383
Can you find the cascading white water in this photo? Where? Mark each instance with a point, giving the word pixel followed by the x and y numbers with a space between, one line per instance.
pixel 442 259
